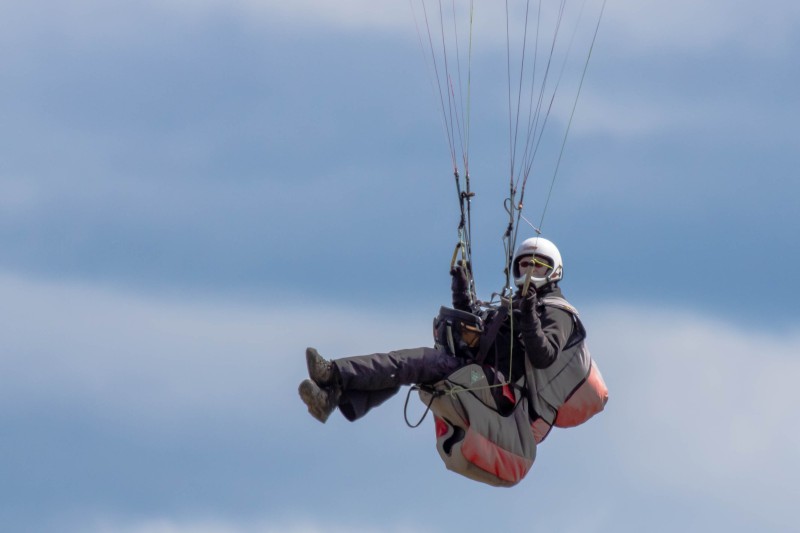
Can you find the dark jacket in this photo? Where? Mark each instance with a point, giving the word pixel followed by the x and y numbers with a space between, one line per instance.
pixel 538 336
pixel 544 344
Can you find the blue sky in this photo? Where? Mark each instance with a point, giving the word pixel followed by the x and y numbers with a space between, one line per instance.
pixel 193 192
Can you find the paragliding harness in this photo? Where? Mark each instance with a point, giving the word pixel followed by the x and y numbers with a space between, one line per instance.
pixel 571 390
pixel 482 424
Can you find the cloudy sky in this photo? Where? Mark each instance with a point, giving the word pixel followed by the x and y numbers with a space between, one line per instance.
pixel 193 192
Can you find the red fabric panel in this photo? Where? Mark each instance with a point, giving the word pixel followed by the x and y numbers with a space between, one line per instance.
pixel 488 456
pixel 508 395
pixel 441 427
pixel 540 429
pixel 588 400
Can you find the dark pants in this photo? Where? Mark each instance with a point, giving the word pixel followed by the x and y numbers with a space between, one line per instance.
pixel 370 380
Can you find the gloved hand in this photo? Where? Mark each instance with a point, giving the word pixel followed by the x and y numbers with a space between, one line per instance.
pixel 528 301
pixel 460 286
pixel 460 282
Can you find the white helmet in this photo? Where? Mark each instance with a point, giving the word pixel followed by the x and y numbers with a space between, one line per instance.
pixel 538 246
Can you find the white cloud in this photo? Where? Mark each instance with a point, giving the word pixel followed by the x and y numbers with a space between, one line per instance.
pixel 697 407
pixel 348 14
pixel 635 25
pixel 703 407
pixel 154 358
pixel 267 526
pixel 631 117
pixel 632 28
pixel 647 25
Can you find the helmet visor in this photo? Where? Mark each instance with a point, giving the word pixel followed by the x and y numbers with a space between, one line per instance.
pixel 542 265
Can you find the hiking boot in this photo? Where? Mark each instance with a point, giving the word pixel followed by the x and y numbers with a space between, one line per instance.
pixel 321 402
pixel 320 370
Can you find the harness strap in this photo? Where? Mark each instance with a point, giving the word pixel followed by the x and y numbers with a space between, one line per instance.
pixel 488 337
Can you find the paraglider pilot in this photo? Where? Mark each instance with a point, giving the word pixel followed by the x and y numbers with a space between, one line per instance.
pixel 355 385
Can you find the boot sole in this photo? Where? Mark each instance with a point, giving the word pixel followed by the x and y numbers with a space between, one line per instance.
pixel 309 392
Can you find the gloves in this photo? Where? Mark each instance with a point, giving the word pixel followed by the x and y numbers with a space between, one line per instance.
pixel 528 301
pixel 460 286
pixel 460 283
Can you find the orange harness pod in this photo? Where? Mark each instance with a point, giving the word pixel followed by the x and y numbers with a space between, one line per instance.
pixel 571 390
